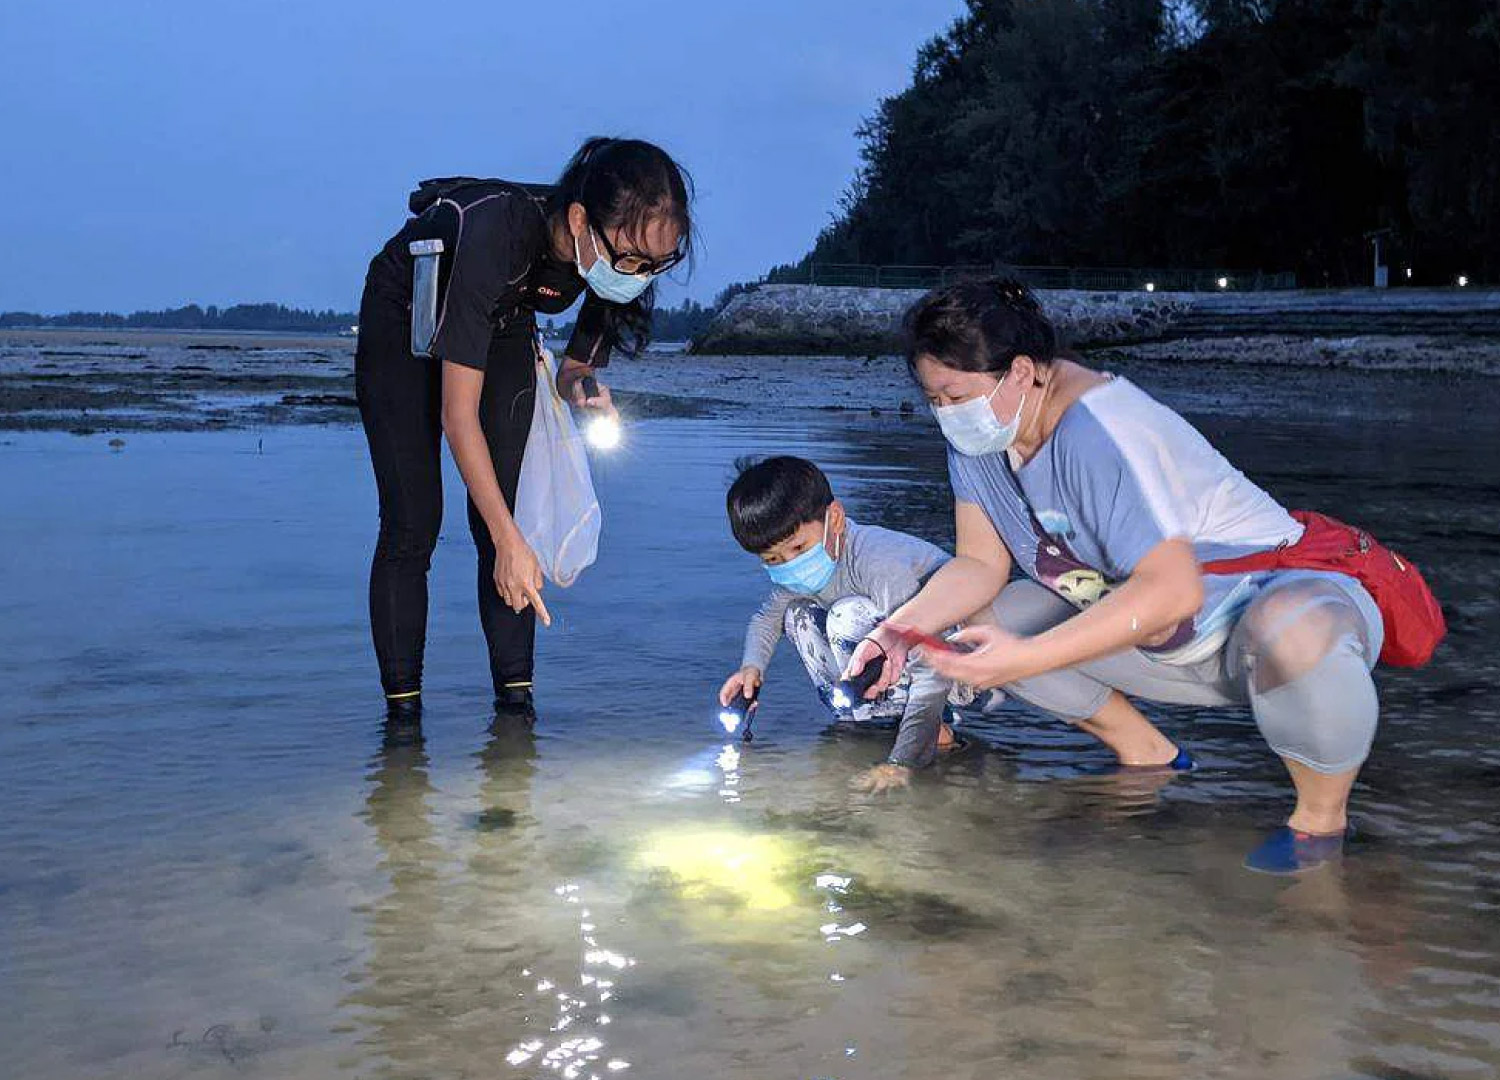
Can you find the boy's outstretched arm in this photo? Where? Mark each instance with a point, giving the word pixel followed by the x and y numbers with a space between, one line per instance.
pixel 765 629
pixel 916 743
pixel 915 740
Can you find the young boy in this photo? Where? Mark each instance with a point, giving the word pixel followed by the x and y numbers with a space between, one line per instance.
pixel 835 580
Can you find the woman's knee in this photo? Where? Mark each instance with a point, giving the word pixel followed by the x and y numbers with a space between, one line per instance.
pixel 1324 718
pixel 1028 608
pixel 1288 632
pixel 1067 694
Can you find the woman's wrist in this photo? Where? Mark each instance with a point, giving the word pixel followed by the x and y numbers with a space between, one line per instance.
pixel 504 532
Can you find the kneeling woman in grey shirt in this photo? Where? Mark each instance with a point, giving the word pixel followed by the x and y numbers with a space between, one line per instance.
pixel 1108 502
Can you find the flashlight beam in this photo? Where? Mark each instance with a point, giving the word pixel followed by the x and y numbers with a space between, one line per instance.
pixel 603 432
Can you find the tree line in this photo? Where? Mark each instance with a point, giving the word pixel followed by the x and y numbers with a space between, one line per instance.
pixel 669 323
pixel 1253 134
pixel 265 317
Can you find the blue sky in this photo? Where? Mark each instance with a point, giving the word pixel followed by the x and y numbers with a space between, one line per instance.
pixel 158 153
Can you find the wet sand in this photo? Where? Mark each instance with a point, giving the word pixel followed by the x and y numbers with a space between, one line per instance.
pixel 89 382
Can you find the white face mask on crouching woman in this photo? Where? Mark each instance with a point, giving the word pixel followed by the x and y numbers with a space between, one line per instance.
pixel 972 428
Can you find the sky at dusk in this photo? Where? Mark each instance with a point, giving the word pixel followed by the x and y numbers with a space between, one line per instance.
pixel 160 153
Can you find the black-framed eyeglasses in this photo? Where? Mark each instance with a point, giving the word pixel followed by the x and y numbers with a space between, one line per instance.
pixel 634 263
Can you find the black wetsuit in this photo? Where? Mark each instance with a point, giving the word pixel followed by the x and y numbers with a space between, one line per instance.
pixel 496 272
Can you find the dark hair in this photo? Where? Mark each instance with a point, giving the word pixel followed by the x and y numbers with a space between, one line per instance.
pixel 770 498
pixel 624 184
pixel 980 325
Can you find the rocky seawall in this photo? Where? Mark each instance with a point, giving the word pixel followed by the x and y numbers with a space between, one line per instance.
pixel 845 320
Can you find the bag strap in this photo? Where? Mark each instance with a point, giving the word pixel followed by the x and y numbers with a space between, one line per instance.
pixel 546 371
pixel 1037 527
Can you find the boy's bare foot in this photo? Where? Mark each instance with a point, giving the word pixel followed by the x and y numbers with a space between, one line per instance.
pixel 946 739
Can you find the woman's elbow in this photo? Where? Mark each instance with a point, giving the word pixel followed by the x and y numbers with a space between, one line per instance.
pixel 982 580
pixel 1171 583
pixel 983 570
pixel 1186 597
pixel 456 418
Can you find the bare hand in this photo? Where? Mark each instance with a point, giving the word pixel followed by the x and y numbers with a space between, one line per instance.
pixel 881 641
pixel 518 577
pixel 994 659
pixel 747 678
pixel 881 779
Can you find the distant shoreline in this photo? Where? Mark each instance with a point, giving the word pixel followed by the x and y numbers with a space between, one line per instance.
pixel 89 382
pixel 830 320
pixel 105 334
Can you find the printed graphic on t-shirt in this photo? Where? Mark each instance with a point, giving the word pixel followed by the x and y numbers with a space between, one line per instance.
pixel 1066 574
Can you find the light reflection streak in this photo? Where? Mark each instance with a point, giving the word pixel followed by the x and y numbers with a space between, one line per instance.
pixel 575 1054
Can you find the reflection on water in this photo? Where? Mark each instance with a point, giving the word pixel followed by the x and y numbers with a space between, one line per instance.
pixel 454 972
pixel 214 861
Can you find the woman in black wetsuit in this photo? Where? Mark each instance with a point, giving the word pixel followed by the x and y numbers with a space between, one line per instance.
pixel 617 218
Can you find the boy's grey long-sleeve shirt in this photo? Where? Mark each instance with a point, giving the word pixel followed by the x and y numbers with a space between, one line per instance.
pixel 888 568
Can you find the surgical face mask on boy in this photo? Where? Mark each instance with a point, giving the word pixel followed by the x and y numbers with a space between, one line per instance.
pixel 607 282
pixel 809 572
pixel 972 428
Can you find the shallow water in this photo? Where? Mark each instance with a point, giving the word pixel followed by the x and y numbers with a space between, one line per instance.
pixel 217 860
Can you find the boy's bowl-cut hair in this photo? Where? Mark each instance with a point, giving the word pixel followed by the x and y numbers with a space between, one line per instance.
pixel 769 499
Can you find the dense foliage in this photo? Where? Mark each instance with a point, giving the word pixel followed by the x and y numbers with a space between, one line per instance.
pixel 1269 134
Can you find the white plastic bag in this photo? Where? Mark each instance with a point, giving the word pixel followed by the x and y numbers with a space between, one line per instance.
pixel 556 508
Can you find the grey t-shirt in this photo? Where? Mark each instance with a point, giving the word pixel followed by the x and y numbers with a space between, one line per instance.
pixel 1120 474
pixel 888 568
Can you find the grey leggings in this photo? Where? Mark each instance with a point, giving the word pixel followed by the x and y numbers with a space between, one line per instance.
pixel 1300 656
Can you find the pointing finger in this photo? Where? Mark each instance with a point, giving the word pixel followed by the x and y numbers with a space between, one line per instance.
pixel 535 599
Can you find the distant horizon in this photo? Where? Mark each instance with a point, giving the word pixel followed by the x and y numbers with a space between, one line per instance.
pixel 203 153
pixel 671 322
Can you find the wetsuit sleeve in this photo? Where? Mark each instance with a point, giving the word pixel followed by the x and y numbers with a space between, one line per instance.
pixel 490 259
pixel 765 630
pixel 590 341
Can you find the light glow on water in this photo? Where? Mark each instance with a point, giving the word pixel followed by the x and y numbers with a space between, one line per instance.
pixel 748 867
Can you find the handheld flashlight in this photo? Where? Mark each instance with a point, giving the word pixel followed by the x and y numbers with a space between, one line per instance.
pixel 602 432
pixel 849 692
pixel 740 710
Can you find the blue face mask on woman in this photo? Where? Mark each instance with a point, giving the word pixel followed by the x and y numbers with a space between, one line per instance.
pixel 809 572
pixel 607 282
